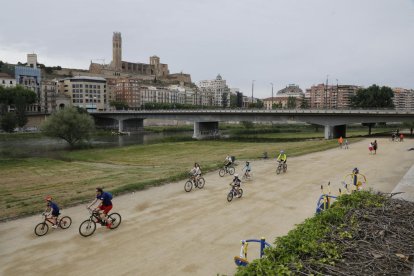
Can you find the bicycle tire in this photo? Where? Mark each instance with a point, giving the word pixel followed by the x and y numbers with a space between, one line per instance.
pixel 230 196
pixel 41 229
pixel 222 172
pixel 87 228
pixel 278 169
pixel 115 220
pixel 65 222
pixel 240 193
pixel 284 167
pixel 231 170
pixel 188 186
pixel 201 182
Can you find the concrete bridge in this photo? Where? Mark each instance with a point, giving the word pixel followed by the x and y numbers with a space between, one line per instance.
pixel 206 122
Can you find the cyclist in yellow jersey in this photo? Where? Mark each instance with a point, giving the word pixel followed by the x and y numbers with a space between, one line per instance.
pixel 282 157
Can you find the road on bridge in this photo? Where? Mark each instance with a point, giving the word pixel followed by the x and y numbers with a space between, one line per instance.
pixel 166 231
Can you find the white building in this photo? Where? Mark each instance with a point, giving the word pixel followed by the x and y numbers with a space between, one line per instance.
pixel 217 91
pixel 6 80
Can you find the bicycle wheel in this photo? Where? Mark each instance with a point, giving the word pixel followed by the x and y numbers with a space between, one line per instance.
pixel 284 167
pixel 222 172
pixel 278 169
pixel 87 228
pixel 188 186
pixel 201 183
pixel 230 196
pixel 240 193
pixel 41 229
pixel 65 222
pixel 115 220
pixel 231 170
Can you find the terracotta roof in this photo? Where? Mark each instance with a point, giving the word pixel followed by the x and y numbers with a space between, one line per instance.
pixel 5 75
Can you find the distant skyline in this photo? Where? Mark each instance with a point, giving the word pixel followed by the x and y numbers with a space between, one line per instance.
pixel 270 41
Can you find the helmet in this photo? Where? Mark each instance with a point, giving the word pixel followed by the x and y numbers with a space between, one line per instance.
pixel 355 170
pixel 282 151
pixel 247 162
pixel 48 198
pixel 236 175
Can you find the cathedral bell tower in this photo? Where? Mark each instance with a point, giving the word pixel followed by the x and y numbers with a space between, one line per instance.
pixel 116 51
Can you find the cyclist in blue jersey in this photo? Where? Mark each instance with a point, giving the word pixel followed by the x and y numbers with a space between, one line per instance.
pixel 53 210
pixel 104 206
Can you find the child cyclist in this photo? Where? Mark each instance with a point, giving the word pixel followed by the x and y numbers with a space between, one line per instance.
pixel 247 169
pixel 236 183
pixel 52 210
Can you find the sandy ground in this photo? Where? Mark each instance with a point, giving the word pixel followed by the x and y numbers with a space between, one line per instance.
pixel 166 231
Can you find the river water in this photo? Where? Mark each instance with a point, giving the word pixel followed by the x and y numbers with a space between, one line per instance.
pixel 44 146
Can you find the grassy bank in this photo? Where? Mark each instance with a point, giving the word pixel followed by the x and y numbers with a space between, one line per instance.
pixel 362 234
pixel 72 176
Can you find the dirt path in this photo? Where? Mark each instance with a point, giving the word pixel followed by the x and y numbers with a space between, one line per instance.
pixel 166 231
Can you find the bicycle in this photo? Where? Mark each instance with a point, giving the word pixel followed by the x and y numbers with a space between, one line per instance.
pixel 42 228
pixel 234 193
pixel 281 167
pixel 88 226
pixel 198 183
pixel 247 175
pixel 226 170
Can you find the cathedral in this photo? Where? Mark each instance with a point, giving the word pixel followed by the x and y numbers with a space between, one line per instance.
pixel 121 68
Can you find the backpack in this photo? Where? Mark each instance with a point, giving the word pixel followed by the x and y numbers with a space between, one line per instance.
pixel 109 195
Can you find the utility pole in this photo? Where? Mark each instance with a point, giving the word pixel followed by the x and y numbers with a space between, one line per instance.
pixel 272 96
pixel 326 93
pixel 252 90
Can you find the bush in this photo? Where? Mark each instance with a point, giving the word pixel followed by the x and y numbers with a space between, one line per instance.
pixel 8 122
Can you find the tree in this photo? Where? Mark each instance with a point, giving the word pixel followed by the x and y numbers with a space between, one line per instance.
pixel 304 104
pixel 119 105
pixel 22 98
pixel 8 122
pixel 291 103
pixel 373 97
pixel 69 125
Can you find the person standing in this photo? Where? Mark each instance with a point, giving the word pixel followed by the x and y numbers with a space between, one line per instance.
pixel 346 144
pixel 375 146
pixel 340 141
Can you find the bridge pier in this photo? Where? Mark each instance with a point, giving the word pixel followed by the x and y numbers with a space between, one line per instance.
pixel 205 130
pixel 130 125
pixel 335 131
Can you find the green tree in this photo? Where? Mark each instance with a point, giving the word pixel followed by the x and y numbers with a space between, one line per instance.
pixel 22 98
pixel 373 97
pixel 291 103
pixel 119 105
pixel 8 122
pixel 70 125
pixel 304 104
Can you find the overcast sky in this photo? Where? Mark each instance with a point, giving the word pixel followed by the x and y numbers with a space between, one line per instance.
pixel 358 42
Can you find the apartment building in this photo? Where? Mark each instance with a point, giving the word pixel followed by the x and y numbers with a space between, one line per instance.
pixel 85 92
pixel 403 99
pixel 217 92
pixel 331 96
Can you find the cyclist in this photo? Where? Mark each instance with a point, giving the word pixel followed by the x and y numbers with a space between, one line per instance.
pixel 235 184
pixel 282 157
pixel 228 161
pixel 195 172
pixel 248 169
pixel 105 205
pixel 52 210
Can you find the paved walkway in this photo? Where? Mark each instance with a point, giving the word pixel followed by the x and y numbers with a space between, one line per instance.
pixel 406 186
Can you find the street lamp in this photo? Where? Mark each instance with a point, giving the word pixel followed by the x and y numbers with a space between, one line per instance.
pixel 272 96
pixel 252 90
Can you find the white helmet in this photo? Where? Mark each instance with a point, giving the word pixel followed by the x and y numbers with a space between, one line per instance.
pixel 236 175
